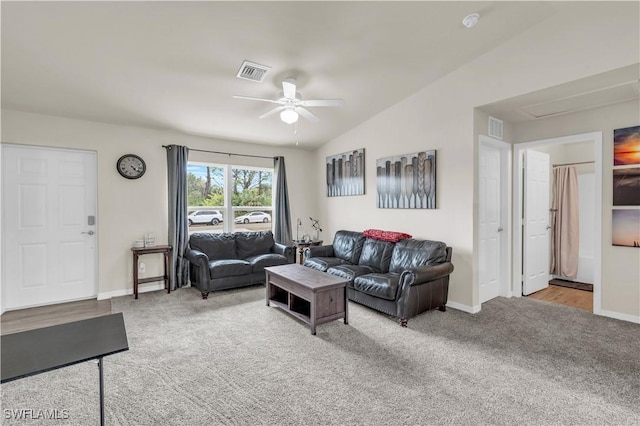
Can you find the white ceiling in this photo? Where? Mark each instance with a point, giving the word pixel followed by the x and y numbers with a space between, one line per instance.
pixel 172 65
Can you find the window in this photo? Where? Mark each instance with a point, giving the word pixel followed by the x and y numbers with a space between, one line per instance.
pixel 220 191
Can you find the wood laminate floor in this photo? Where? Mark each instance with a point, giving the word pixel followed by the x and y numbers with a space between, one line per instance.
pixel 566 296
pixel 45 316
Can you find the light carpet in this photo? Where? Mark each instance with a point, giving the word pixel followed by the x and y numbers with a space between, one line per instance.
pixel 231 360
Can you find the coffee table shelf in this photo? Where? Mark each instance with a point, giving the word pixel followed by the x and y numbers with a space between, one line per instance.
pixel 291 303
pixel 312 296
pixel 300 315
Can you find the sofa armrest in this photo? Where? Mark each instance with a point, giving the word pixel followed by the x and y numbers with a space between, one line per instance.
pixel 199 266
pixel 424 274
pixel 287 251
pixel 196 256
pixel 318 251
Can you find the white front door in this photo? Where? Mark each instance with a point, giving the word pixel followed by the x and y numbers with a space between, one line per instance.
pixel 489 222
pixel 49 225
pixel 536 248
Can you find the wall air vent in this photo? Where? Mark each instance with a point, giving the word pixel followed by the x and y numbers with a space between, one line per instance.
pixel 496 128
pixel 252 71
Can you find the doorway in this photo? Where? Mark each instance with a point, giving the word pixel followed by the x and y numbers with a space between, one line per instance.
pixel 593 203
pixel 49 226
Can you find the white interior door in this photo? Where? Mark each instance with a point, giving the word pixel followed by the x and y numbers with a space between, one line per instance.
pixel 49 225
pixel 489 221
pixel 536 248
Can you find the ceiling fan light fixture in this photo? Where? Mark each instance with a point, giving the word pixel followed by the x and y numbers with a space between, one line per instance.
pixel 289 116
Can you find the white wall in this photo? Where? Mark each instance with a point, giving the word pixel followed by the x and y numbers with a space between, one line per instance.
pixel 586 199
pixel 127 209
pixel 441 117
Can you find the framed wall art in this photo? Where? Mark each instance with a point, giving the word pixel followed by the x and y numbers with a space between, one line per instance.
pixel 407 181
pixel 626 146
pixel 345 173
pixel 626 186
pixel 625 228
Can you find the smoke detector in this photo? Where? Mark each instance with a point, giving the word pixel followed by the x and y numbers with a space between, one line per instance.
pixel 471 20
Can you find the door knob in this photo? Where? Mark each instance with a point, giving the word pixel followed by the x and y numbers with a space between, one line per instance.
pixel 89 232
pixel 548 227
pixel 500 229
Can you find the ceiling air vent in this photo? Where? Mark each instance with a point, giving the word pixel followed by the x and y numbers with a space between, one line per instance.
pixel 252 71
pixel 496 128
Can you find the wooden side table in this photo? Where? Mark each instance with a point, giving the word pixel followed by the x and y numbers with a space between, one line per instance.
pixel 301 245
pixel 139 251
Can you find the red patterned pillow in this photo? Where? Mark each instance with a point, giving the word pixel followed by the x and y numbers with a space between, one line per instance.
pixel 390 236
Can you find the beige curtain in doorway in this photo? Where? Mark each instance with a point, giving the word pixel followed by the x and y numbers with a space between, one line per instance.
pixel 565 239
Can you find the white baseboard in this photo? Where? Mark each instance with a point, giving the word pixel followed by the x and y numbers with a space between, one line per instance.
pixel 125 292
pixel 617 315
pixel 464 308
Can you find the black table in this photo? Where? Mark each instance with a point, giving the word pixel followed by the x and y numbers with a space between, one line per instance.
pixel 37 351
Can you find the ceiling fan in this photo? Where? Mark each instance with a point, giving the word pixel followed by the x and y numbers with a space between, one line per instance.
pixel 291 104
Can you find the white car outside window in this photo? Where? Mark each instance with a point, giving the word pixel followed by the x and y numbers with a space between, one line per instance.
pixel 253 217
pixel 212 217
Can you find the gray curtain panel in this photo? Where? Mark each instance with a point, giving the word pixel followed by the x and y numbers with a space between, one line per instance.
pixel 177 157
pixel 282 217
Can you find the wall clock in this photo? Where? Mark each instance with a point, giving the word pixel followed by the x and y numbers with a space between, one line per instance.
pixel 131 166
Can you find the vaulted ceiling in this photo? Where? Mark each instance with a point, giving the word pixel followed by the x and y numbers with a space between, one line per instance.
pixel 173 65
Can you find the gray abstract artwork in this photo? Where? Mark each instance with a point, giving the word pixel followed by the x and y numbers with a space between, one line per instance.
pixel 407 181
pixel 345 174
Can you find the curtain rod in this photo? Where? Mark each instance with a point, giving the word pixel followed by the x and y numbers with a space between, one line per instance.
pixel 574 164
pixel 224 153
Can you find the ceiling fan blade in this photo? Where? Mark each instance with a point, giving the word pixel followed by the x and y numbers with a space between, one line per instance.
pixel 289 88
pixel 321 102
pixel 273 111
pixel 307 114
pixel 256 99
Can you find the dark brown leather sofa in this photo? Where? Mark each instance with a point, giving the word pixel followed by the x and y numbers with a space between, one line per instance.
pixel 401 279
pixel 221 261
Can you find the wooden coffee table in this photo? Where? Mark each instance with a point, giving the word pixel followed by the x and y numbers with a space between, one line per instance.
pixel 312 296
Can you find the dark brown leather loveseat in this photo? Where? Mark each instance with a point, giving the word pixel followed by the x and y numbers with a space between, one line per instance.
pixel 219 261
pixel 401 279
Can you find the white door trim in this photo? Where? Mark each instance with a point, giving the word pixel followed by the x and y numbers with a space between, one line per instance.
pixel 505 213
pixel 518 149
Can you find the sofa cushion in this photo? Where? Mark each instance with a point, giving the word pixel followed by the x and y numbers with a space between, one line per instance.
pixel 323 263
pixel 383 286
pixel 215 246
pixel 376 254
pixel 253 243
pixel 350 272
pixel 229 268
pixel 412 253
pixel 347 245
pixel 261 261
